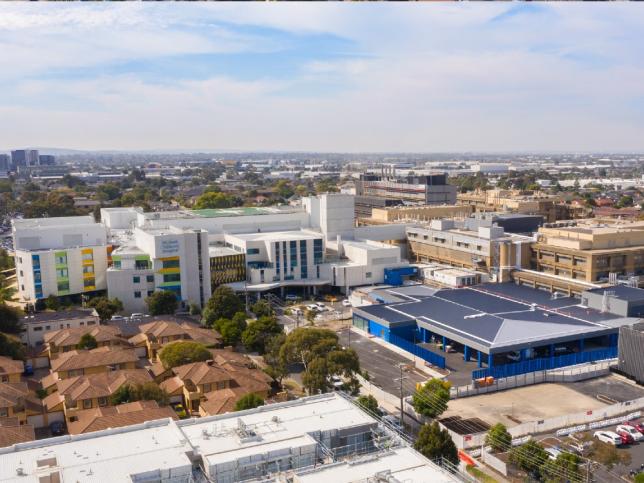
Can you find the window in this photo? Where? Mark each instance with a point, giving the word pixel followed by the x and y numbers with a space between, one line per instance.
pixel 63 286
pixel 117 263
pixel 252 251
pixel 87 403
pixel 150 292
pixel 206 388
pixel 22 274
pixel 170 263
pixel 136 279
pixel 137 294
pixel 368 274
pixel 88 269
pixel 61 259
pixel 141 264
pixel 89 282
pixel 149 278
pixel 172 277
pixel 88 256
pixel 62 273
pixel 221 385
pixel 102 401
pixel 4 412
pixel 37 329
pixel 48 327
pixel 82 324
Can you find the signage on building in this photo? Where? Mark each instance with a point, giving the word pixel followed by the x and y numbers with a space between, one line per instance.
pixel 169 246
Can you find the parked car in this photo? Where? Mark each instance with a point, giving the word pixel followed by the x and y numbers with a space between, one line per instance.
pixel 321 307
pixel 608 437
pixel 313 307
pixel 117 317
pixel 626 437
pixel 553 452
pixel 637 425
pixel 337 383
pixel 636 435
pixel 29 369
pixel 137 315
pixel 346 303
pixel 57 428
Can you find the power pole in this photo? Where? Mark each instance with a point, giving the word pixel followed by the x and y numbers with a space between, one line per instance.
pixel 402 410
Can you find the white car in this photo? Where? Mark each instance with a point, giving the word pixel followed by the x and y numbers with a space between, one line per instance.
pixel 637 436
pixel 321 307
pixel 346 303
pixel 608 437
pixel 553 453
pixel 313 307
pixel 117 317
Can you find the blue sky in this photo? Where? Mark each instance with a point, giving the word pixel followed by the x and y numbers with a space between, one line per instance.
pixel 328 76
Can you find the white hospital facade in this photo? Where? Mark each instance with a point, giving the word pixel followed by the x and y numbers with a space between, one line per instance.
pixel 130 254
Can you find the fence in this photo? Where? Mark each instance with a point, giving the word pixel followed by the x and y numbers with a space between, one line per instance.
pixel 426 355
pixel 544 364
pixel 568 374
pixel 494 462
pixel 378 393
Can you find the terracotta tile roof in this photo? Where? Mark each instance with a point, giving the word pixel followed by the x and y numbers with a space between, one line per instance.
pixel 162 328
pixel 222 356
pixel 12 432
pixel 10 366
pixel 158 329
pixel 13 393
pixel 103 384
pixel 172 385
pixel 49 380
pixel 137 412
pixel 101 356
pixel 206 336
pixel 201 373
pixel 222 401
pixel 157 369
pixel 67 337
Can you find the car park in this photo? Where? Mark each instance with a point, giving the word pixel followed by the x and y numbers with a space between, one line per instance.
pixel 608 437
pixel 581 448
pixel 637 425
pixel 635 434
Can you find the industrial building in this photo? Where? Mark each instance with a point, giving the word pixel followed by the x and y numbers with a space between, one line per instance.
pixel 506 328
pixel 631 347
pixel 306 440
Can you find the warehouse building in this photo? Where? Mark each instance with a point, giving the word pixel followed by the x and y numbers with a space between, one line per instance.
pixel 505 328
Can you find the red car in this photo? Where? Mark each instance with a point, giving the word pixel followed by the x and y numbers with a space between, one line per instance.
pixel 636 424
pixel 626 438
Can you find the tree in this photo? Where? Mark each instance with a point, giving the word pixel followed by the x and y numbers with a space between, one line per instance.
pixel 276 368
pixel 431 399
pixel 436 443
pixel 195 309
pixel 162 303
pixel 230 331
pixel 148 391
pixel 87 341
pixel 530 457
pixel 183 352
pixel 105 307
pixel 9 319
pixel 624 201
pixel 11 347
pixel 499 438
pixel 259 332
pixel 216 200
pixel 52 303
pixel 563 469
pixel 369 402
pixel 261 308
pixel 249 401
pixel 223 304
pixel 6 260
pixel 7 291
pixel 304 344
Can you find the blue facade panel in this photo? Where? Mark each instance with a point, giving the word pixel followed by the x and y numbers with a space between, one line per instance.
pixel 379 330
pixel 394 276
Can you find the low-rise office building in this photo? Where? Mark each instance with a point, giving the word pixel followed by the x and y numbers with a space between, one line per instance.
pixel 62 257
pixel 37 324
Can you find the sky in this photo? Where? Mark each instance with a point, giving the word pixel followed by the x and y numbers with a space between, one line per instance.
pixel 332 77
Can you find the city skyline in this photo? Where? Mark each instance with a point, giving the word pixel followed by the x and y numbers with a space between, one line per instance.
pixel 329 78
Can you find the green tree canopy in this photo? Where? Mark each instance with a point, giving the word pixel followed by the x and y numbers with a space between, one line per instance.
pixel 368 402
pixel 259 332
pixel 105 307
pixel 162 303
pixel 431 399
pixel 11 347
pixel 530 457
pixel 249 401
pixel 9 319
pixel 436 443
pixel 149 391
pixel 52 303
pixel 223 304
pixel 563 469
pixel 216 200
pixel 230 331
pixel 499 438
pixel 261 308
pixel 87 341
pixel 183 352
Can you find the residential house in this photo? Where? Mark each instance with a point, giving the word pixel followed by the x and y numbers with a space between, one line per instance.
pixel 86 362
pixel 66 340
pixel 97 419
pixel 10 369
pixel 75 394
pixel 16 401
pixel 12 432
pixel 155 335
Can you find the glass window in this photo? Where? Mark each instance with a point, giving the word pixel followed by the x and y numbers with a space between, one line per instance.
pixel 62 273
pixel 88 256
pixel 102 401
pixel 171 277
pixel 170 263
pixel 252 251
pixel 88 269
pixel 137 294
pixel 87 403
pixel 368 274
pixel 63 286
pixel 136 279
pixel 149 278
pixel 89 282
pixel 117 263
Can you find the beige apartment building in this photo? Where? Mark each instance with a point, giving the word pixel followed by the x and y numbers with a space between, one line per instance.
pixel 416 213
pixel 590 250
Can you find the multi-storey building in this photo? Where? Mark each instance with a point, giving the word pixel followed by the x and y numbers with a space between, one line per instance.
pixel 5 163
pixel 590 251
pixel 64 256
pixel 226 266
pixel 172 259
pixel 431 189
pixel 46 159
pixel 476 243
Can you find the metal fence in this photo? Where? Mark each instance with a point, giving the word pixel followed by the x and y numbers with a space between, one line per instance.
pixel 544 364
pixel 426 355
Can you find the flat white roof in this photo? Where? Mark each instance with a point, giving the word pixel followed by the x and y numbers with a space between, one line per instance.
pixel 277 236
pixel 404 464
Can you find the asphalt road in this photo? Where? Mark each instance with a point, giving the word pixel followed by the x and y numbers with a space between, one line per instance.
pixel 381 363
pixel 609 389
